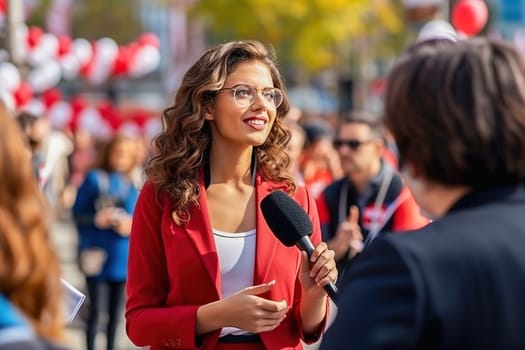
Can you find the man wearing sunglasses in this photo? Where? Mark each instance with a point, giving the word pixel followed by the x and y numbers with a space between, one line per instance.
pixel 370 198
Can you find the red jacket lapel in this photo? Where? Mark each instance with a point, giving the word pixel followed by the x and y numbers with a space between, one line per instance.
pixel 200 231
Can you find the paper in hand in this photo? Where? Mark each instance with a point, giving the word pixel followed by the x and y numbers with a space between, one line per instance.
pixel 73 301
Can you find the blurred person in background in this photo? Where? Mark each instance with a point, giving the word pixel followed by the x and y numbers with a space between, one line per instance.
pixel 50 150
pixel 370 199
pixel 319 163
pixel 205 270
pixel 80 161
pixel 296 144
pixel 457 113
pixel 31 293
pixel 102 213
pixel 391 153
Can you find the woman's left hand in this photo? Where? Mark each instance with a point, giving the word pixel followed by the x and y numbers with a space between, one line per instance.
pixel 319 270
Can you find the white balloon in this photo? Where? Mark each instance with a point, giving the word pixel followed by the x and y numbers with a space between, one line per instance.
pixel 130 129
pixel 35 107
pixel 45 50
pixel 437 29
pixel 145 61
pixel 89 119
pixel 59 114
pixel 70 65
pixel 45 76
pixel 4 55
pixel 104 131
pixel 9 76
pixel 82 49
pixel 153 127
pixel 106 51
pixel 7 98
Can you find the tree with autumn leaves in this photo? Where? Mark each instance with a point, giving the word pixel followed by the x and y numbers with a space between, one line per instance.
pixel 315 34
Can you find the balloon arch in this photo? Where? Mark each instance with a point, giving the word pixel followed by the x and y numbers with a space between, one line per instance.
pixel 49 59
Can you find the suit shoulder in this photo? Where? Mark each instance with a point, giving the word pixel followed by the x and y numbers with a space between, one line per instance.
pixel 331 192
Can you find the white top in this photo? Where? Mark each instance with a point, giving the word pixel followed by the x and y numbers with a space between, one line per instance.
pixel 237 261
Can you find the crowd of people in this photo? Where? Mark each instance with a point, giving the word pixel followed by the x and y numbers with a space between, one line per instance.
pixel 415 213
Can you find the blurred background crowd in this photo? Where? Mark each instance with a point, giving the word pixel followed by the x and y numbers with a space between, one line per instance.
pixel 87 82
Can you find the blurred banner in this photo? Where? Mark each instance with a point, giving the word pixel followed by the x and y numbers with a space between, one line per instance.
pixel 58 19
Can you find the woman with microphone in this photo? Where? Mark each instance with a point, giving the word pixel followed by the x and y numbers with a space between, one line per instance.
pixel 205 270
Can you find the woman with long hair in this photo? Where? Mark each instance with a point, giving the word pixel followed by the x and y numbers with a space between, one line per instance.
pixel 30 289
pixel 205 270
pixel 102 212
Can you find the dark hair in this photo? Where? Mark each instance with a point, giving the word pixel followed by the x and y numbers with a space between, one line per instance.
pixel 181 148
pixel 457 112
pixel 373 120
pixel 317 130
pixel 25 119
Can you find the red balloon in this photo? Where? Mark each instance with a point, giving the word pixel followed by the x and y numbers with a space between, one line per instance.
pixel 78 103
pixel 64 45
pixel 87 69
pixel 51 96
pixel 121 64
pixel 149 39
pixel 470 16
pixel 140 117
pixel 110 114
pixel 23 94
pixel 34 35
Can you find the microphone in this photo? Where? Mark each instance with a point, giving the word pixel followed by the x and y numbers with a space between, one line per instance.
pixel 291 225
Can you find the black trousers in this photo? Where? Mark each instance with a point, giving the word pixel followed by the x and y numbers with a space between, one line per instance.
pixel 105 297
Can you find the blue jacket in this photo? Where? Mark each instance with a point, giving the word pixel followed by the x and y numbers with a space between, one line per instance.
pixel 13 327
pixel 16 332
pixel 98 184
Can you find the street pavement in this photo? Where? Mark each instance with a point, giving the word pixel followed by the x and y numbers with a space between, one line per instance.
pixel 64 237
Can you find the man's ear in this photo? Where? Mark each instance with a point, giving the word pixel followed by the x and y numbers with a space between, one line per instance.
pixel 380 146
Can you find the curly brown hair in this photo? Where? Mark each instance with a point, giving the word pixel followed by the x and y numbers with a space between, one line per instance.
pixel 30 269
pixel 183 146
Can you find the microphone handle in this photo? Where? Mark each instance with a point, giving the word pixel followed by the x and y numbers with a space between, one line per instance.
pixel 304 243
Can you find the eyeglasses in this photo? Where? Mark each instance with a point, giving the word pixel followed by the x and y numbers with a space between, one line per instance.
pixel 245 95
pixel 352 144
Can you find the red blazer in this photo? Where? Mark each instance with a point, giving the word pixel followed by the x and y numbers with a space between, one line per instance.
pixel 172 270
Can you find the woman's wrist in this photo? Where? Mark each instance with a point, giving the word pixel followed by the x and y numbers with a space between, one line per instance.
pixel 209 318
pixel 313 310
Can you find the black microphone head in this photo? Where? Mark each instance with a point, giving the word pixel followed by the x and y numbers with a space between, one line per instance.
pixel 286 218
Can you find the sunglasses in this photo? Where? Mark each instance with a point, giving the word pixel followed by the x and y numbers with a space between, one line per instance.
pixel 352 144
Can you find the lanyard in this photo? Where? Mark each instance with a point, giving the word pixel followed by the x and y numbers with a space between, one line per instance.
pixel 377 222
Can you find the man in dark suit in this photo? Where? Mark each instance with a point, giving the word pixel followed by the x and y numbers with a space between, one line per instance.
pixel 457 112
